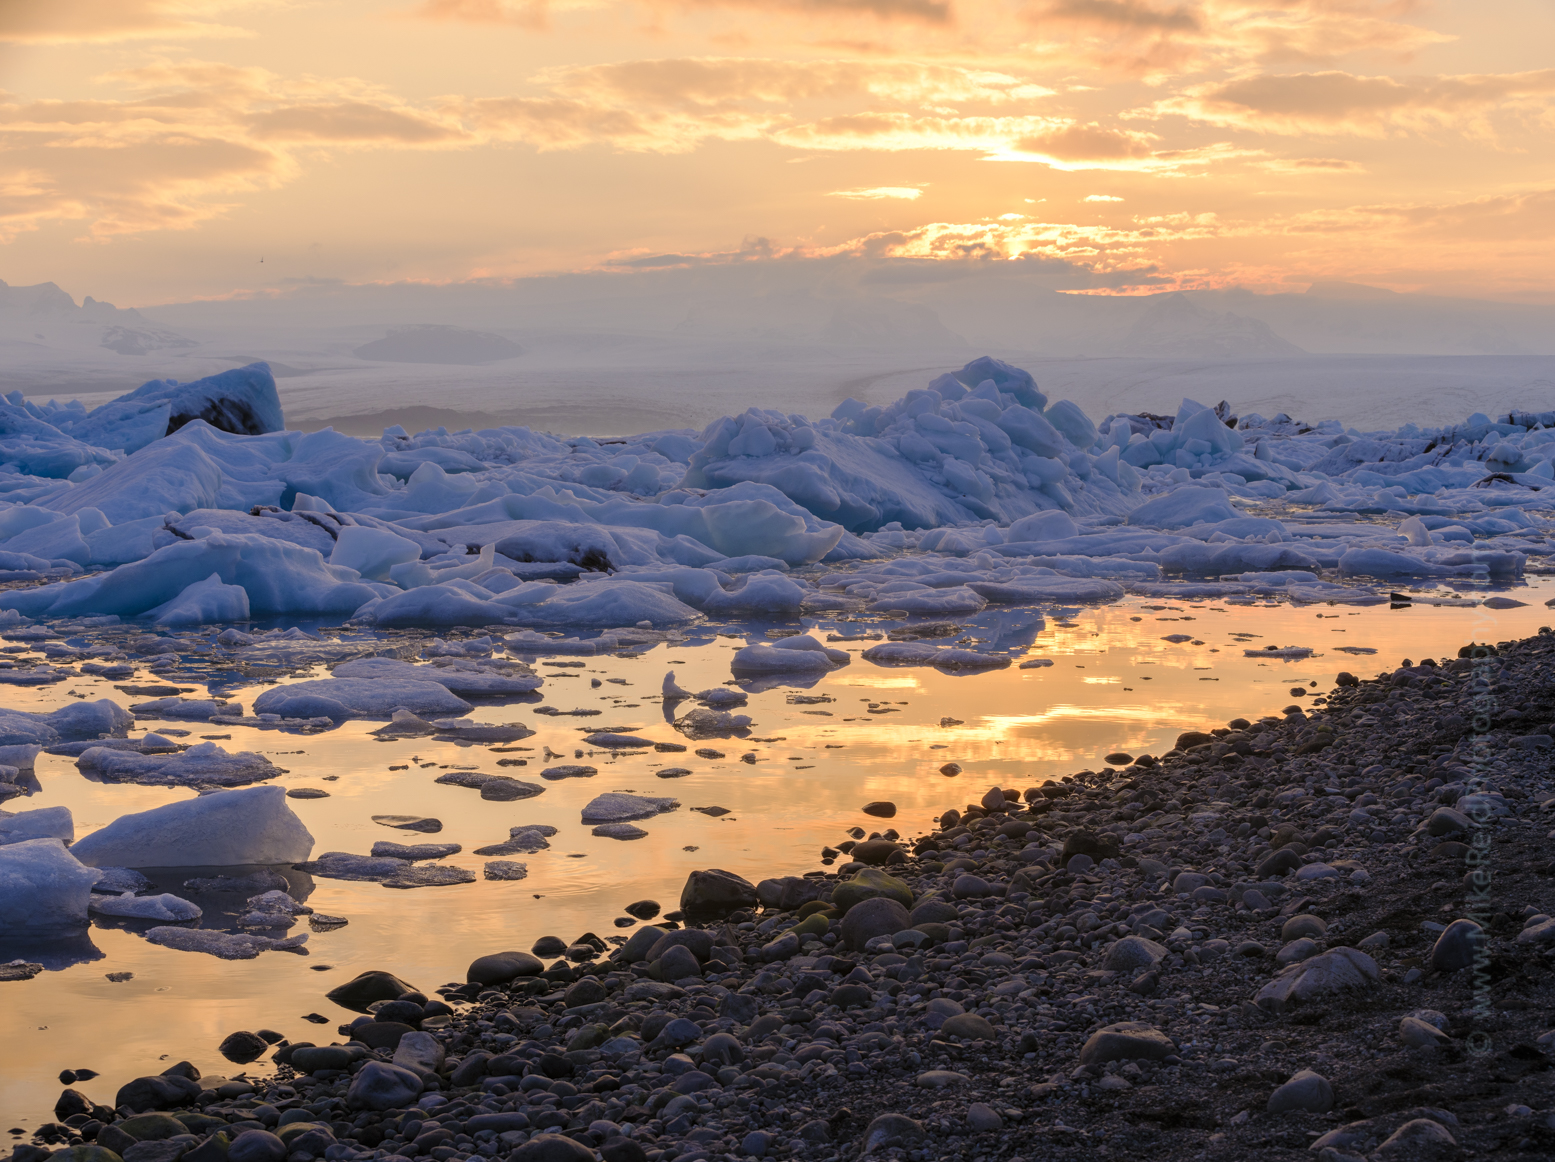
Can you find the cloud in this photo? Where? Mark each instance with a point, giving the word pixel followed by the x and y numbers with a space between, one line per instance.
pixel 718 82
pixel 1119 15
pixel 105 21
pixel 1344 103
pixel 518 13
pixel 1100 198
pixel 877 193
pixel 192 137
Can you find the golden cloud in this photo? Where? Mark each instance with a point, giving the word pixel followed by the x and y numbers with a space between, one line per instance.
pixel 1339 102
pixel 104 21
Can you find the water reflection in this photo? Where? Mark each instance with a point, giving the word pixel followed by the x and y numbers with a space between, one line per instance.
pixel 1115 685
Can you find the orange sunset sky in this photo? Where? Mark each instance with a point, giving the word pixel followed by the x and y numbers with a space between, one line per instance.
pixel 157 150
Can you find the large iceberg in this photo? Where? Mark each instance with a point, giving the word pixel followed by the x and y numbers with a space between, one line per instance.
pixel 44 889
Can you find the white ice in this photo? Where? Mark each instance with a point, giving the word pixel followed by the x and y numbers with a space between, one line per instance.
pixel 252 825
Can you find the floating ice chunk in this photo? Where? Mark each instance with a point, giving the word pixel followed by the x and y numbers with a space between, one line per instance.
pixel 43 889
pixel 600 604
pixel 372 552
pixel 90 719
pixel 958 599
pixel 1039 590
pixel 610 740
pixel 784 658
pixel 1286 652
pixel 203 765
pixel 224 945
pixel 717 696
pixel 923 654
pixel 192 709
pixel 208 600
pixel 432 604
pixel 705 723
pixel 167 907
pixel 1184 506
pixel 278 576
pixel 1223 559
pixel 767 595
pixel 249 826
pixel 1385 563
pixel 361 697
pixel 42 823
pixel 1036 663
pixel 619 807
pixel 672 688
pixel 457 679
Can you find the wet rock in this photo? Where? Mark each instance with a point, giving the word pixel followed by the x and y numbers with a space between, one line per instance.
pixel 410 823
pixel 159 1092
pixel 420 1053
pixel 550 946
pixel 365 988
pixel 1455 947
pixel 870 883
pixel 876 852
pixel 677 963
pixel 381 1086
pixel 715 893
pixel 1126 1041
pixel 243 1047
pixel 880 810
pixel 256 1146
pixel 643 909
pixel 880 916
pixel 1306 1092
pixel 1337 971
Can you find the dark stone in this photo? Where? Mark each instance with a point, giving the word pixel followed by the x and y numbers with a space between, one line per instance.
pixel 623 1150
pixel 501 967
pixel 715 893
pixel 551 1148
pixel 876 852
pixel 1083 842
pixel 242 1047
pixel 1278 863
pixel 695 940
pixel 880 810
pixel 312 1058
pixel 380 1034
pixel 156 1093
pixel 362 990
pixel 549 946
pixel 588 991
pixel 643 909
pixel 381 1086
pixel 256 1146
pixel 403 1012
pixel 677 963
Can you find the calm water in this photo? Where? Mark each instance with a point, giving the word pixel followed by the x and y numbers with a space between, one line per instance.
pixel 1114 685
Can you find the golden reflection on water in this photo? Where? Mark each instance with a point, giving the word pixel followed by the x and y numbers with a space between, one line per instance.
pixel 1115 685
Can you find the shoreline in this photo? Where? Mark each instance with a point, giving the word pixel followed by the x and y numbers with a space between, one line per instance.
pixel 1008 942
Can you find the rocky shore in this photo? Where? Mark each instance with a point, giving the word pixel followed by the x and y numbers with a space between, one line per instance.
pixel 1319 934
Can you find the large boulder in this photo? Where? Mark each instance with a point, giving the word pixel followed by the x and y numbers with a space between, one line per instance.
pixel 880 916
pixel 1337 971
pixel 501 967
pixel 715 893
pixel 1126 1041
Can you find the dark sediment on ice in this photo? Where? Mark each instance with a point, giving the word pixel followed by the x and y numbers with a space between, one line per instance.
pixel 1325 934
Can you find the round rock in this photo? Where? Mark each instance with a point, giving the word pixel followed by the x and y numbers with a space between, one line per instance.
pixel 880 810
pixel 1306 1092
pixel 501 967
pixel 1455 947
pixel 877 917
pixel 552 1148
pixel 242 1047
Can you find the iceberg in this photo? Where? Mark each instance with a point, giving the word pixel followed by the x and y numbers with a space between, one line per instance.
pixel 359 698
pixel 253 825
pixel 44 889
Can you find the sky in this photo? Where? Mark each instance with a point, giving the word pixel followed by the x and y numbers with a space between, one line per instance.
pixel 155 151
